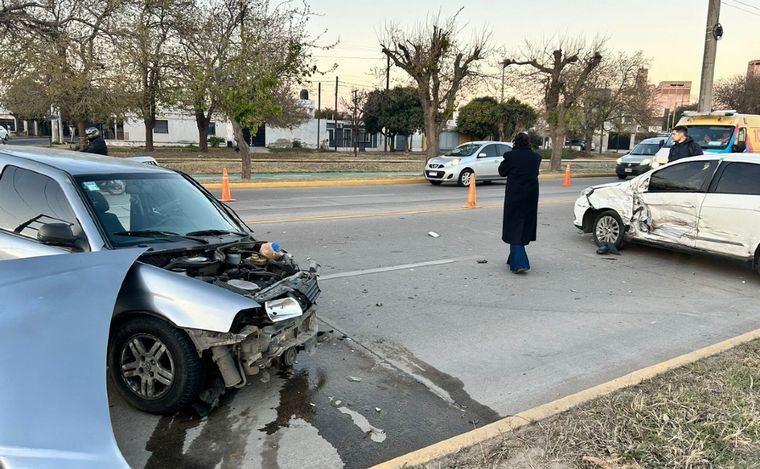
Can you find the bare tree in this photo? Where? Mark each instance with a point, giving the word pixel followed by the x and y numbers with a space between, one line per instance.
pixel 440 64
pixel 148 39
pixel 57 52
pixel 562 69
pixel 740 92
pixel 355 111
pixel 617 90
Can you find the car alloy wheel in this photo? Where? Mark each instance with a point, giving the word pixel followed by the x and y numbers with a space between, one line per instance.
pixel 147 366
pixel 465 178
pixel 607 230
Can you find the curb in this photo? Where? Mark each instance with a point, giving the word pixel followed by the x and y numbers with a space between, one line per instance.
pixel 361 182
pixel 522 419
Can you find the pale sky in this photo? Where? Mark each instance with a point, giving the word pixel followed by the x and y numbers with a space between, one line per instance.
pixel 670 32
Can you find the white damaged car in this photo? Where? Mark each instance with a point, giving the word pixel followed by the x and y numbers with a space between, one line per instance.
pixel 708 203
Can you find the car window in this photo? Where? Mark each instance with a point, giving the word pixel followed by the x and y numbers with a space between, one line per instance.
pixel 491 151
pixel 712 137
pixel 683 177
pixel 467 149
pixel 503 149
pixel 740 178
pixel 29 200
pixel 646 149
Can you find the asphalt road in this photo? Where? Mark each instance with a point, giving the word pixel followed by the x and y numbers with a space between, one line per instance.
pixel 440 342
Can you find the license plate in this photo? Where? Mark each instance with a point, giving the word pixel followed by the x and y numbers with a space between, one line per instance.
pixel 628 170
pixel 434 174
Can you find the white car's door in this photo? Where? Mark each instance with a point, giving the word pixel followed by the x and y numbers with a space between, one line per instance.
pixel 729 222
pixel 671 203
pixel 488 162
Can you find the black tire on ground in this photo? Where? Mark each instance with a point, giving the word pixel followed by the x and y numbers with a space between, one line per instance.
pixel 608 228
pixel 622 176
pixel 464 178
pixel 149 356
pixel 435 183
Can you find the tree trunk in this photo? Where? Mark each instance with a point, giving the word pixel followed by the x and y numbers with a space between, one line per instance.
pixel 589 136
pixel 431 132
pixel 81 127
pixel 501 131
pixel 245 150
pixel 149 124
pixel 392 143
pixel 558 141
pixel 202 122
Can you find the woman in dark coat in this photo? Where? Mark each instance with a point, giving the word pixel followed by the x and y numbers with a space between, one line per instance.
pixel 520 166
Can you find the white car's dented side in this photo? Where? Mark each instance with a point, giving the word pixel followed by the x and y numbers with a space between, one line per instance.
pixel 709 203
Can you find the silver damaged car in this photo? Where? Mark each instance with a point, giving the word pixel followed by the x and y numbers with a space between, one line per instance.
pixel 205 303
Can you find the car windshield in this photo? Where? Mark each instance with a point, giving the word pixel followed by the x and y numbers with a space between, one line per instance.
pixel 468 149
pixel 646 149
pixel 711 137
pixel 144 208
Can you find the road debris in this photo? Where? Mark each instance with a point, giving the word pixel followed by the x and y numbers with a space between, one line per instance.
pixel 482 261
pixel 354 379
pixel 433 234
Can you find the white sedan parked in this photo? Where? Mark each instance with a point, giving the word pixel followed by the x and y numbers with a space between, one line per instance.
pixel 708 203
pixel 480 158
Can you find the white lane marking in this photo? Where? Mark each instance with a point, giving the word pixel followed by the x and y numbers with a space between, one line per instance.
pixel 379 270
pixel 376 434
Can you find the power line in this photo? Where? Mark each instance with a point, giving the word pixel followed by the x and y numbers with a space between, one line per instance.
pixel 740 8
pixel 747 4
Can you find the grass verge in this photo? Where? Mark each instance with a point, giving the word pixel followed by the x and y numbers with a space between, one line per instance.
pixel 701 415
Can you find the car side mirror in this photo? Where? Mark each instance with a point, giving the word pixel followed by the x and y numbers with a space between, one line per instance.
pixel 58 234
pixel 739 147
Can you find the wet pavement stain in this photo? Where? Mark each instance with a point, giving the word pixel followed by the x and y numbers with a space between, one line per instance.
pixel 454 387
pixel 220 443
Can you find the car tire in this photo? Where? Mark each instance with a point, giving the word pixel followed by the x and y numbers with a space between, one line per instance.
pixel 608 228
pixel 435 183
pixel 622 176
pixel 148 355
pixel 465 177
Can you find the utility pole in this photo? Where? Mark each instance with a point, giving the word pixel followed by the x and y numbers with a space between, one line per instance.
pixel 387 87
pixel 335 116
pixel 713 32
pixel 355 131
pixel 503 67
pixel 319 113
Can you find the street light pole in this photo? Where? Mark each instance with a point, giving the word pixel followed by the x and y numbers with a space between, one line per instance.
pixel 713 32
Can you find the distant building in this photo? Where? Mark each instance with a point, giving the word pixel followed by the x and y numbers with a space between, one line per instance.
pixel 753 68
pixel 671 95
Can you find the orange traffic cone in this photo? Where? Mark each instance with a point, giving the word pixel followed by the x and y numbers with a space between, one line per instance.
pixel 472 196
pixel 567 182
pixel 226 195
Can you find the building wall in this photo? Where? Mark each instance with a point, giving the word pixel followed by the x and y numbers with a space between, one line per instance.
pixel 181 126
pixel 671 95
pixel 753 68
pixel 305 133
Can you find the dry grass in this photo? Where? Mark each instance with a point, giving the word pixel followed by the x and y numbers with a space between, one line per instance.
pixel 702 415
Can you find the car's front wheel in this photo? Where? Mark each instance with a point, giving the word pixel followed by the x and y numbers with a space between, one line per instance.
pixel 608 229
pixel 465 177
pixel 154 365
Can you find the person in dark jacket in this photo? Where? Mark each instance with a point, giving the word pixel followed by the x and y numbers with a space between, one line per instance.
pixel 520 167
pixel 95 144
pixel 684 146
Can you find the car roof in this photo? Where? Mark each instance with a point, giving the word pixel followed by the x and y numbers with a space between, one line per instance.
pixel 653 140
pixel 77 163
pixel 483 142
pixel 729 157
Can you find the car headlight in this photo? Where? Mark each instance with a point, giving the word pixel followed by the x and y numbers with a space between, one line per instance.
pixel 645 162
pixel 587 191
pixel 453 162
pixel 620 160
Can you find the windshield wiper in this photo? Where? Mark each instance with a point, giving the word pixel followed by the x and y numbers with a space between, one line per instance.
pixel 216 233
pixel 157 234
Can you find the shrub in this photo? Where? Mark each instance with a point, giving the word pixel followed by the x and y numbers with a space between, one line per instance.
pixel 215 141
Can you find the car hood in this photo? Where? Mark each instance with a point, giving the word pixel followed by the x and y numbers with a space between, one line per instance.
pixel 444 159
pixel 630 158
pixel 54 323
